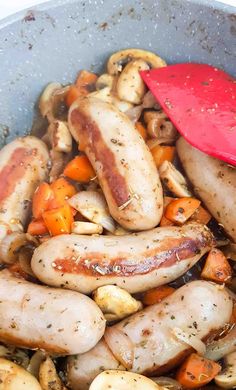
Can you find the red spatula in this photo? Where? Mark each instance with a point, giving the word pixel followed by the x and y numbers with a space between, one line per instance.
pixel 200 100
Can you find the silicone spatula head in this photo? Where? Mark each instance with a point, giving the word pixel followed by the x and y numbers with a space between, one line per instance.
pixel 200 100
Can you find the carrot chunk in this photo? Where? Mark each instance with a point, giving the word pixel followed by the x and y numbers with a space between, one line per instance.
pixel 79 169
pixel 217 267
pixel 162 153
pixel 180 210
pixel 85 82
pixel 62 190
pixel 197 371
pixel 72 95
pixel 156 294
pixel 41 199
pixel 141 129
pixel 58 221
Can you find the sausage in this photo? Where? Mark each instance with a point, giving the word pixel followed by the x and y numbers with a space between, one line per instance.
pixel 214 182
pixel 198 309
pixel 122 161
pixel 23 165
pixel 58 321
pixel 136 262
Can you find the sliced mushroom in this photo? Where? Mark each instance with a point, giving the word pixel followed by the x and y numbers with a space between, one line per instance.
pixel 60 136
pixel 123 380
pixel 115 302
pixel 16 355
pixel 230 251
pixel 168 383
pixel 222 347
pixel 105 80
pixel 14 377
pixel 79 227
pixel 35 362
pixel 227 379
pixel 121 58
pixel 107 96
pixel 173 180
pixel 51 102
pixel 130 86
pixel 149 101
pixel 92 205
pixel 45 101
pixel 11 245
pixel 48 377
pixel 160 127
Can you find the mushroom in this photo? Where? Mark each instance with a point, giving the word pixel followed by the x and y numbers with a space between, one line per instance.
pixel 227 378
pixel 105 80
pixel 230 251
pixel 130 86
pixel 107 96
pixel 92 205
pixel 149 101
pixel 173 180
pixel 121 58
pixel 167 383
pixel 12 244
pixel 123 380
pixel 48 377
pixel 14 377
pixel 115 302
pixel 219 348
pixel 16 355
pixel 79 227
pixel 60 136
pixel 159 126
pixel 51 102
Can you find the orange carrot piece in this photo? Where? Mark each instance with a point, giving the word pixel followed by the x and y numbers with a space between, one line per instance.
pixel 164 221
pixel 141 129
pixel 41 199
pixel 197 371
pixel 79 169
pixel 37 228
pixel 217 267
pixel 156 294
pixel 180 210
pixel 58 221
pixel 162 153
pixel 72 95
pixel 85 82
pixel 201 215
pixel 62 190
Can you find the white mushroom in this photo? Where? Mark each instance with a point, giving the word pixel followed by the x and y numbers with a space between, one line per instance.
pixel 16 355
pixel 48 377
pixel 107 96
pixel 227 378
pixel 92 205
pixel 230 251
pixel 105 80
pixel 60 136
pixel 130 86
pixel 123 380
pixel 11 245
pixel 45 101
pixel 121 58
pixel 14 377
pixel 115 302
pixel 51 99
pixel 159 126
pixel 173 180
pixel 222 347
pixel 35 362
pixel 86 228
pixel 168 383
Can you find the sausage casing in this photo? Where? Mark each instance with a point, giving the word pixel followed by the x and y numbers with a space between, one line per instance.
pixel 56 320
pixel 136 262
pixel 122 161
pixel 198 309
